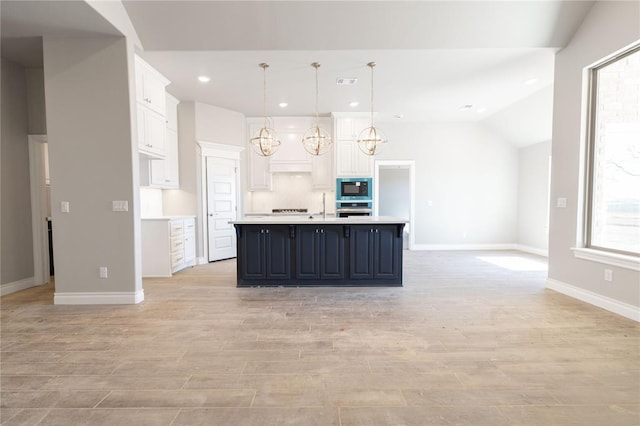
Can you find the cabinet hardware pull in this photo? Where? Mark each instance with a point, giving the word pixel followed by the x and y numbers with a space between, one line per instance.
pixel 267 231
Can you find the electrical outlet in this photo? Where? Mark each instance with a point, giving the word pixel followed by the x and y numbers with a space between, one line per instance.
pixel 104 272
pixel 608 275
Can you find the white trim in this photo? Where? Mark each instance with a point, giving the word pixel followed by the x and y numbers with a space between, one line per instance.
pixel 411 165
pixel 40 233
pixel 606 303
pixel 609 258
pixel 201 261
pixel 532 250
pixel 212 149
pixel 465 247
pixel 99 298
pixel 17 286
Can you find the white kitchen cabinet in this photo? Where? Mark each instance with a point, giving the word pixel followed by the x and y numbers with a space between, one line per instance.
pixel 259 178
pixel 168 245
pixel 150 87
pixel 151 109
pixel 165 173
pixel 259 174
pixel 348 128
pixel 151 133
pixel 350 160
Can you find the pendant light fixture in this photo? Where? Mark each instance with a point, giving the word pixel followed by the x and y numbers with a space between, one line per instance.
pixel 266 141
pixel 371 139
pixel 316 141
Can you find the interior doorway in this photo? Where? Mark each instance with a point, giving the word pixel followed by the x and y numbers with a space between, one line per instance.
pixel 394 193
pixel 221 207
pixel 40 187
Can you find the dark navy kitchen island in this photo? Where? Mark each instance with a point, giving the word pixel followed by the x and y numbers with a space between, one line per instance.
pixel 296 251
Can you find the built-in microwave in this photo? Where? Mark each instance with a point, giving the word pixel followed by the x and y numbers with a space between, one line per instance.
pixel 354 189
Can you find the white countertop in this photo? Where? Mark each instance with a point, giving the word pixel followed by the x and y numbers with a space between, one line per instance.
pixel 301 220
pixel 167 217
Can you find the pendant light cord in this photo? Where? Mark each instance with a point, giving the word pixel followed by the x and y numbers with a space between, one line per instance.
pixel 264 67
pixel 371 65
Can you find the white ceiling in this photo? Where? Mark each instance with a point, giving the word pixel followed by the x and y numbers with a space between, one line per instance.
pixel 432 56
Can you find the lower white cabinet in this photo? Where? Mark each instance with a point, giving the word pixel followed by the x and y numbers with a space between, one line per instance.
pixel 168 245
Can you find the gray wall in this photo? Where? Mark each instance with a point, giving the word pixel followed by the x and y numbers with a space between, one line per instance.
pixel 93 161
pixel 609 27
pixel 533 196
pixel 16 234
pixel 35 101
pixel 469 174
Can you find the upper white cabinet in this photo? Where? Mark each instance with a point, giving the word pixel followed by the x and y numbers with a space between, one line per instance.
pixel 165 173
pixel 151 109
pixel 350 160
pixel 150 87
pixel 259 178
pixel 151 133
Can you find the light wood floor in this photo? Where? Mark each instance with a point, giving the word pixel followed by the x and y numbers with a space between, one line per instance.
pixel 465 341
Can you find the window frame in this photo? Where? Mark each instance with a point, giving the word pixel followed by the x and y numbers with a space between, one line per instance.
pixel 587 249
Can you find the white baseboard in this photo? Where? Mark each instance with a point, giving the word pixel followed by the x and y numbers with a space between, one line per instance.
pixel 99 298
pixel 533 250
pixel 202 261
pixel 464 247
pixel 23 284
pixel 604 302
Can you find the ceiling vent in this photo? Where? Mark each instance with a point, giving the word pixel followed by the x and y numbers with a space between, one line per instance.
pixel 346 81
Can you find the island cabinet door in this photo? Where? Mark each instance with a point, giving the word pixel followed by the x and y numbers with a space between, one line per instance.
pixel 332 253
pixel 361 252
pixel 277 252
pixel 253 252
pixel 308 252
pixel 386 251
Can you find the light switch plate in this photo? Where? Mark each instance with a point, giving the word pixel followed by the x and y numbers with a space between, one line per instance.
pixel 121 206
pixel 64 206
pixel 561 202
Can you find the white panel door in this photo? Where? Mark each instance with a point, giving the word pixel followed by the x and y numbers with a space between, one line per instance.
pixel 221 207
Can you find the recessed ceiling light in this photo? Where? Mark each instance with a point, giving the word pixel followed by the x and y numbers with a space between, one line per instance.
pixel 283 104
pixel 530 81
pixel 204 79
pixel 346 81
pixel 354 104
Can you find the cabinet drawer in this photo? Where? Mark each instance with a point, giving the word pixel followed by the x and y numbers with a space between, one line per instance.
pixel 176 259
pixel 177 244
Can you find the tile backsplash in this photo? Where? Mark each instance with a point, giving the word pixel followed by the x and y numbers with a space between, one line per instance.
pixel 290 191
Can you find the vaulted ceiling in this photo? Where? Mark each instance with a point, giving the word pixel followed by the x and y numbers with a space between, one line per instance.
pixel 433 57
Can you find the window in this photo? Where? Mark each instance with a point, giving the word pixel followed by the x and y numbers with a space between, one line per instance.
pixel 613 197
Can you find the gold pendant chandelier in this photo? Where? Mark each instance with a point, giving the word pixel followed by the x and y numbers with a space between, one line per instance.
pixel 371 139
pixel 316 141
pixel 266 141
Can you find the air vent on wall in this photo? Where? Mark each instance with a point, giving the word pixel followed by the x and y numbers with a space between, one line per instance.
pixel 346 81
